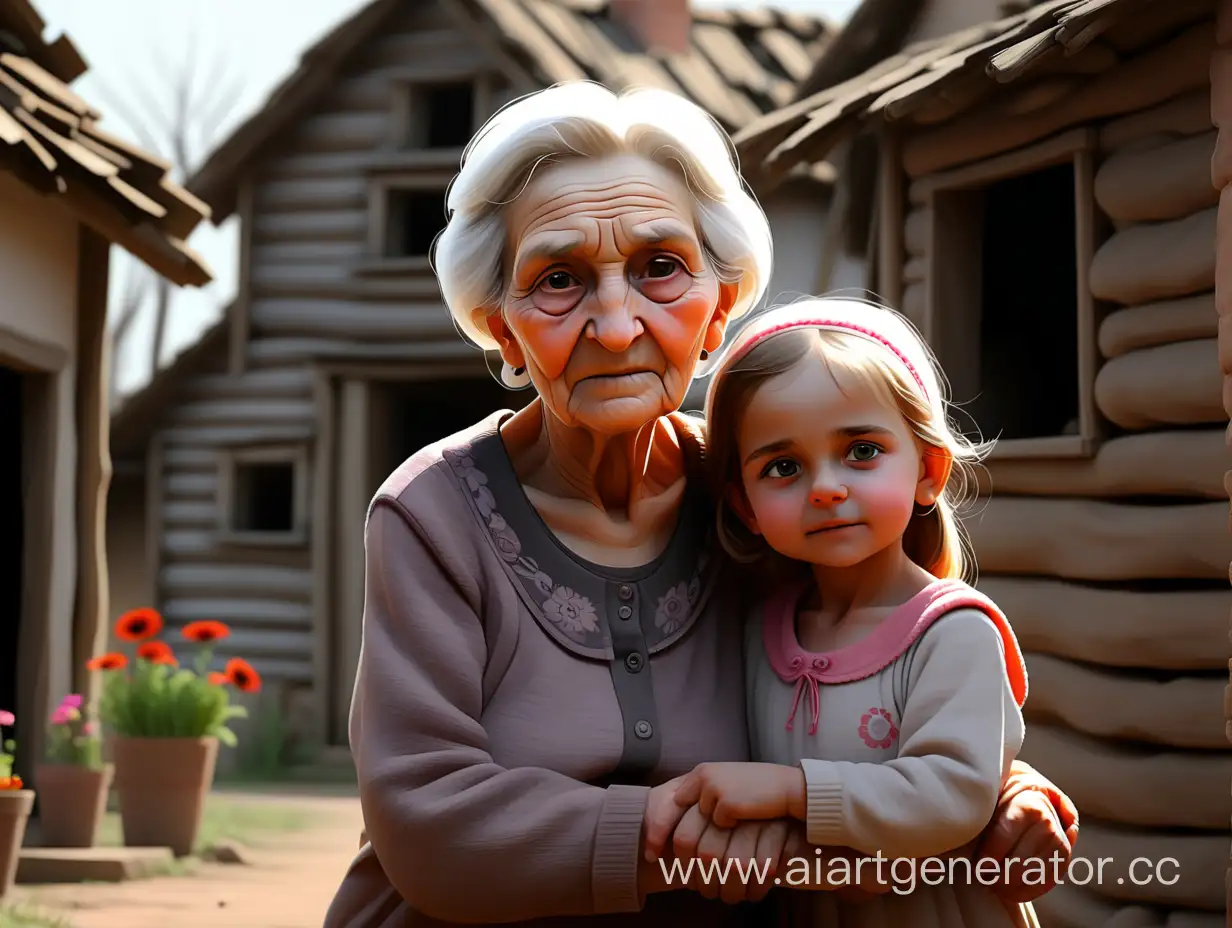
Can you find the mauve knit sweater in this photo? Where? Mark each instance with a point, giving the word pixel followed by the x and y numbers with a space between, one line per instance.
pixel 514 703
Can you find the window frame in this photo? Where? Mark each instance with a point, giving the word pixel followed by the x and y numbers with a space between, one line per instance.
pixel 412 86
pixel 380 189
pixel 942 193
pixel 229 462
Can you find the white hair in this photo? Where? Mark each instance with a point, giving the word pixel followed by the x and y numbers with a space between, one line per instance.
pixel 584 119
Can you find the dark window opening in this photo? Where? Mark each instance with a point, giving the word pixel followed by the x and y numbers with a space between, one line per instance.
pixel 1005 323
pixel 443 116
pixel 11 566
pixel 264 497
pixel 414 218
pixel 1029 311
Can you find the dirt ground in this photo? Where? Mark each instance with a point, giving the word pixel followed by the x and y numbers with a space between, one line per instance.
pixel 288 881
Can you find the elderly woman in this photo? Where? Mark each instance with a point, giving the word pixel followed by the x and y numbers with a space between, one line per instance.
pixel 550 633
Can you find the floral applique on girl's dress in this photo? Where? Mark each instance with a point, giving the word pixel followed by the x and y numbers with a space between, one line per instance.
pixel 877 728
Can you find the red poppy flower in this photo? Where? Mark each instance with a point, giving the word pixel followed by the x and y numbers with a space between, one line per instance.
pixel 138 625
pixel 158 652
pixel 113 661
pixel 205 632
pixel 241 674
pixel 10 783
pixel 218 679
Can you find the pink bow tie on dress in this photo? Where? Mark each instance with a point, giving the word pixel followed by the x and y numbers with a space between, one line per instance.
pixel 807 673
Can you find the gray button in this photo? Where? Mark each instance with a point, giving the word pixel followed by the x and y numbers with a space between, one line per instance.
pixel 625 592
pixel 625 612
pixel 642 729
pixel 634 662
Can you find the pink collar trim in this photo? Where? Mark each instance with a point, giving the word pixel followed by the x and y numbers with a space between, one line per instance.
pixel 877 650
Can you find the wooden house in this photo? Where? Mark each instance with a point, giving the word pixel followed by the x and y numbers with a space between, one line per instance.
pixel 68 191
pixel 1049 212
pixel 245 468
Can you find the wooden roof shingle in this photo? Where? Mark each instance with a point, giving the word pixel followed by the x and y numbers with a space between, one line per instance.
pixel 51 140
pixel 741 65
pixel 999 51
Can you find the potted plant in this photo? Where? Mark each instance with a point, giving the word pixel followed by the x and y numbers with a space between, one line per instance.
pixel 15 804
pixel 73 782
pixel 167 723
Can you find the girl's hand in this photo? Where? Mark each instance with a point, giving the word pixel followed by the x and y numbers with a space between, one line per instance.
pixel 660 819
pixel 729 793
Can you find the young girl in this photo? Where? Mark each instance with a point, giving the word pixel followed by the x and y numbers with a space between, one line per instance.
pixel 884 693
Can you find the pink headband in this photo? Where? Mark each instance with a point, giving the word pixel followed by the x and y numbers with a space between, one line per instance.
pixel 821 322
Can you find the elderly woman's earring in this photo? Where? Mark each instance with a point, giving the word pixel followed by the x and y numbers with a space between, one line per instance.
pixel 705 354
pixel 515 378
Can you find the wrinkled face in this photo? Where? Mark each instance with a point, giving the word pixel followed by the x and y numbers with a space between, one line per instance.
pixel 830 473
pixel 609 300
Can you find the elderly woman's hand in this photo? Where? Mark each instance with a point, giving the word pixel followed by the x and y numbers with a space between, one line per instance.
pixel 1034 821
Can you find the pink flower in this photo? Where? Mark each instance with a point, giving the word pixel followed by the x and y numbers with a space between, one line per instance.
pixel 71 701
pixel 90 728
pixel 60 716
pixel 7 719
pixel 877 728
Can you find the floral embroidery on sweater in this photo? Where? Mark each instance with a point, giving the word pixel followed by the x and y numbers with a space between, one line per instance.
pixel 568 610
pixel 877 728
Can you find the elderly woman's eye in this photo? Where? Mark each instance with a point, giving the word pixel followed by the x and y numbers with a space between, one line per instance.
pixel 558 280
pixel 662 267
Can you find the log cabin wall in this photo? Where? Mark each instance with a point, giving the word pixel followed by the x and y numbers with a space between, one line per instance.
pixel 1221 176
pixel 1109 549
pixel 321 281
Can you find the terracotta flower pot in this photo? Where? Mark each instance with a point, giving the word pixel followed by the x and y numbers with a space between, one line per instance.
pixel 162 784
pixel 15 806
pixel 72 800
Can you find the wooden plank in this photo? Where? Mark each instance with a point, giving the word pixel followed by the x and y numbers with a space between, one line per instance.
pixel 307 254
pixel 1092 540
pixel 326 193
pixel 354 494
pixel 285 350
pixel 1143 790
pixel 337 226
pixel 157 483
pixel 788 51
pixel 731 57
pixel 891 197
pixel 241 307
pixel 93 418
pixel 185 486
pixel 267 384
pixel 175 459
pixel 1119 706
pixel 216 436
pixel 1090 231
pixel 272 612
pixel 360 321
pixel 297 165
pixel 323 564
pixel 1179 630
pixel 181 514
pixel 707 88
pixel 243 410
pixel 239 579
pixel 1050 151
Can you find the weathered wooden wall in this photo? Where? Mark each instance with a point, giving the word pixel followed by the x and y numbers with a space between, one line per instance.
pixel 1221 177
pixel 1114 570
pixel 312 291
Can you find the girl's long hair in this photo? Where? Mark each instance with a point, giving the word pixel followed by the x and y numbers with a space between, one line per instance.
pixel 935 538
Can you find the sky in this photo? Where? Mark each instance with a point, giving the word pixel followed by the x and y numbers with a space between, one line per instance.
pixel 241 50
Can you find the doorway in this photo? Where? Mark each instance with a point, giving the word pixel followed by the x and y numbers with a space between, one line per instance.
pixel 12 527
pixel 410 415
pixel 376 424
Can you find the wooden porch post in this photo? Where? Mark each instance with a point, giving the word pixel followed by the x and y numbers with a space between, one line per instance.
pixel 93 415
pixel 353 495
pixel 1221 177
